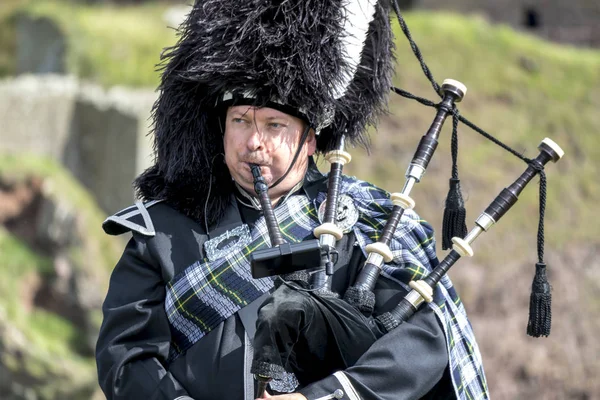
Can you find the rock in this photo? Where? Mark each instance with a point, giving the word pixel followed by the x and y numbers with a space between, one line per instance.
pixel 42 46
pixel 51 99
pixel 49 225
pixel 56 225
pixel 100 135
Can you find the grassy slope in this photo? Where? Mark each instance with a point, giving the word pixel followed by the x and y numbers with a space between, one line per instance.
pixel 110 45
pixel 556 97
pixel 39 342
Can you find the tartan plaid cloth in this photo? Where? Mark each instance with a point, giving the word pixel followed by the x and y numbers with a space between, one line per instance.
pixel 206 293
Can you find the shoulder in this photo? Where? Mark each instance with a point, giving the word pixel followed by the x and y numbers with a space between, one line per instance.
pixel 136 218
pixel 376 203
pixel 369 199
pixel 363 190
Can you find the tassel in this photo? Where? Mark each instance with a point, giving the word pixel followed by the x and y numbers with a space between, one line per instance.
pixel 454 215
pixel 540 302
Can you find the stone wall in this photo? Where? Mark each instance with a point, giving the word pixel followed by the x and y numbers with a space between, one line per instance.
pixel 101 136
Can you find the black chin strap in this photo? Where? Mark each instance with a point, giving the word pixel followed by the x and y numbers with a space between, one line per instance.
pixel 302 140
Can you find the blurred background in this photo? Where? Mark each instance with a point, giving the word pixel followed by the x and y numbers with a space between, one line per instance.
pixel 77 82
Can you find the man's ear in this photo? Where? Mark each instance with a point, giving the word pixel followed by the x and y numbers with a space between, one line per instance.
pixel 311 142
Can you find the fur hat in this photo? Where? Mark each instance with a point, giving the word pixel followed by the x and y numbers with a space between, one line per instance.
pixel 329 59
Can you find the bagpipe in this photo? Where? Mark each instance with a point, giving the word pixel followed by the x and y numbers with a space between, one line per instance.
pixel 306 328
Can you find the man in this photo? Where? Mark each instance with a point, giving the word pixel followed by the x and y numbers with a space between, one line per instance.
pixel 254 83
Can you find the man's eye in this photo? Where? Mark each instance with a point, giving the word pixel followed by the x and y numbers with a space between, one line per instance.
pixel 239 120
pixel 276 125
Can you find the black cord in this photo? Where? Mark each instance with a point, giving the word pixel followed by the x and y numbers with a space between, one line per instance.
pixel 416 49
pixel 454 144
pixel 436 87
pixel 212 162
pixel 457 117
pixel 464 120
pixel 302 140
pixel 539 168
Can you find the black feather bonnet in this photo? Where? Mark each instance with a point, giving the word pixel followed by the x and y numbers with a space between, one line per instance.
pixel 332 59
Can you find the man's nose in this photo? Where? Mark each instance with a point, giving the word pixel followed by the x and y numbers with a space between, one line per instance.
pixel 255 141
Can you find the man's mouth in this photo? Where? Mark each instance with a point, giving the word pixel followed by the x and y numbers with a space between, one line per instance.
pixel 261 165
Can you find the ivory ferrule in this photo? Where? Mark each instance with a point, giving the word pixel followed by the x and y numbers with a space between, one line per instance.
pixel 328 229
pixel 414 298
pixel 402 200
pixel 338 156
pixel 555 147
pixel 485 221
pixel 423 289
pixel 382 249
pixel 462 247
pixel 415 171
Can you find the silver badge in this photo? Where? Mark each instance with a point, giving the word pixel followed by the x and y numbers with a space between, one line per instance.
pixel 287 384
pixel 227 243
pixel 346 214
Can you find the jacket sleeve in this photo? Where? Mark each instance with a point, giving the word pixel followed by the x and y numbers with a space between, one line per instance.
pixel 134 339
pixel 406 363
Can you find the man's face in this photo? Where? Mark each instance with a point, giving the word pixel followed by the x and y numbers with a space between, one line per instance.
pixel 269 138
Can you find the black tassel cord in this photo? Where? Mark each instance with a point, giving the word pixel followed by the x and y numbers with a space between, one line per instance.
pixel 540 312
pixel 455 214
pixel 540 302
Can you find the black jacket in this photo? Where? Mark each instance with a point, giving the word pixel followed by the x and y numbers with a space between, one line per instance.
pixel 133 346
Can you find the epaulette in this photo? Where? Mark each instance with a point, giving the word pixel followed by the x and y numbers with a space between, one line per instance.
pixel 134 218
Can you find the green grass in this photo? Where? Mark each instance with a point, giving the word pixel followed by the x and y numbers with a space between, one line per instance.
pixel 43 343
pixel 17 261
pixel 7 36
pixel 521 89
pixel 49 333
pixel 112 45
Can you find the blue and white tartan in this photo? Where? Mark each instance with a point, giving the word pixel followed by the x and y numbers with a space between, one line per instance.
pixel 206 293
